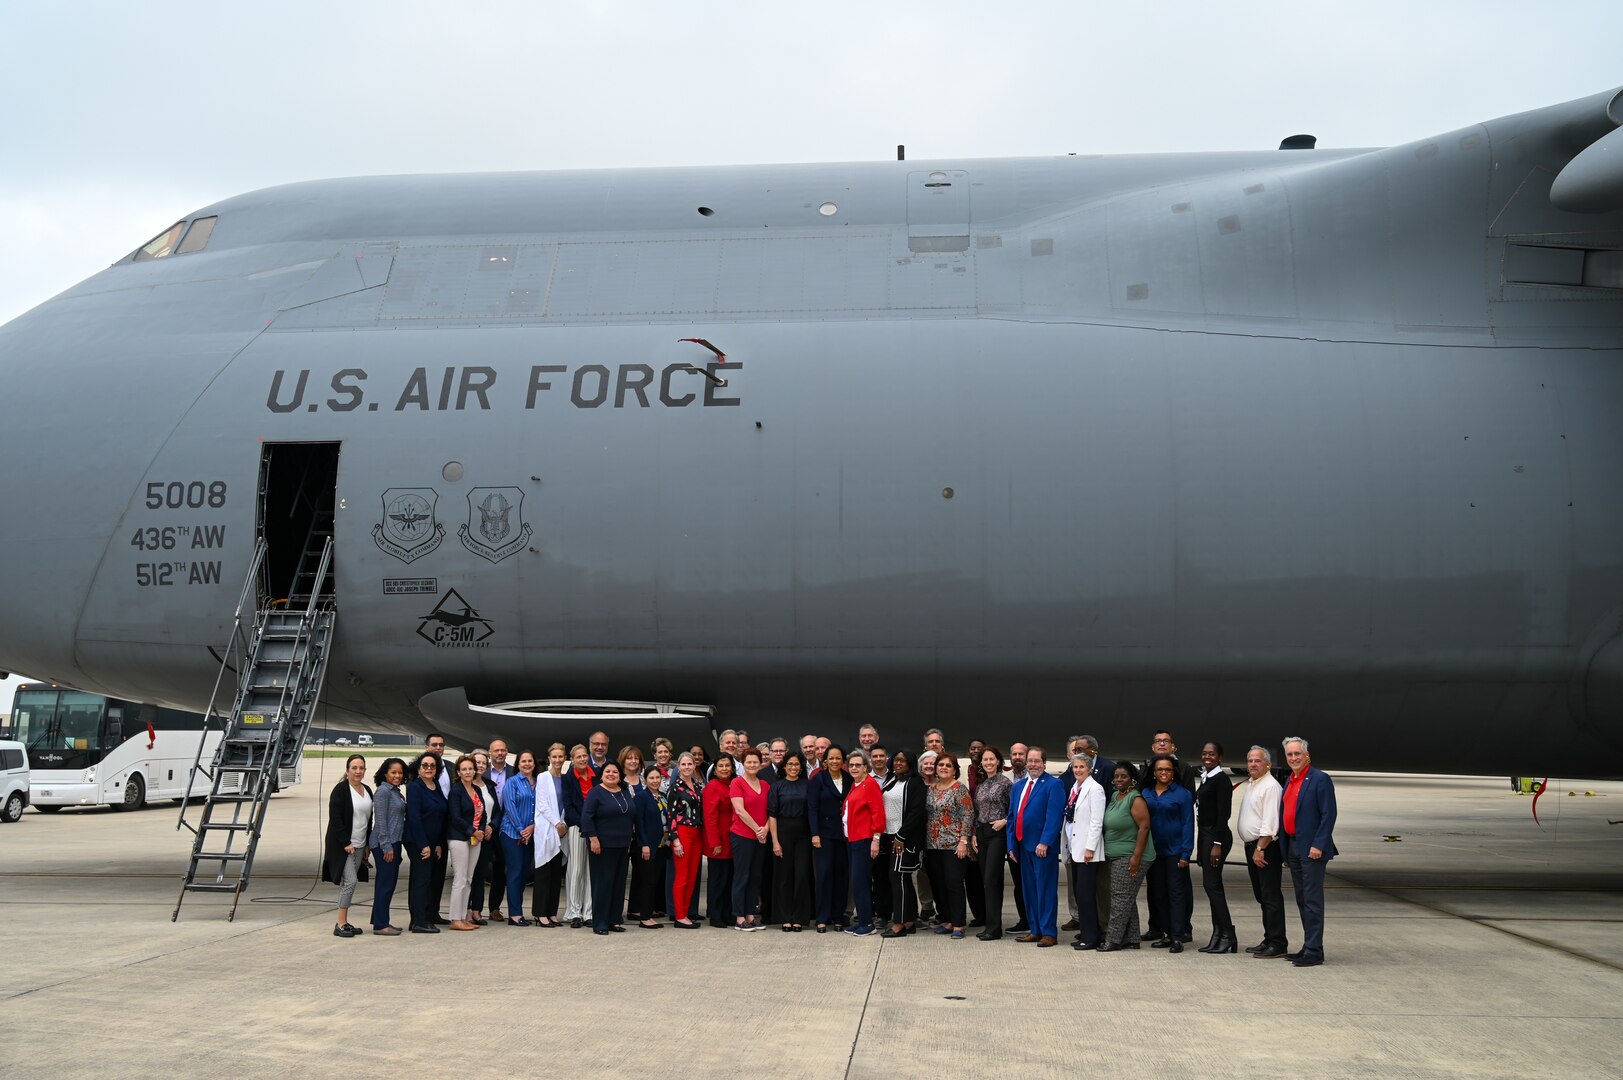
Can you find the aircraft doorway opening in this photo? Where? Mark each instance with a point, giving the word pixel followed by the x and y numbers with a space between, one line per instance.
pixel 298 484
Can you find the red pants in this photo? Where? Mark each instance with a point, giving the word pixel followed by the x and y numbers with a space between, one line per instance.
pixel 687 870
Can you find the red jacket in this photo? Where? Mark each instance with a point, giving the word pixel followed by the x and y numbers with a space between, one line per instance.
pixel 718 820
pixel 864 811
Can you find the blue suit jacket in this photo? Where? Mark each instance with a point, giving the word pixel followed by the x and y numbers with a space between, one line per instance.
pixel 1044 813
pixel 1315 815
pixel 824 806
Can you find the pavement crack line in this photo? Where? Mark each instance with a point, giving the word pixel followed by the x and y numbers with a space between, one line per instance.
pixel 1487 921
pixel 856 1036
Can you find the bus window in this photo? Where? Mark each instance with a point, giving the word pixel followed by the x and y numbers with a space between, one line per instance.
pixel 78 718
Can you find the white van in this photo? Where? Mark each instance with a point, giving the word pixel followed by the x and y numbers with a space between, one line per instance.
pixel 13 780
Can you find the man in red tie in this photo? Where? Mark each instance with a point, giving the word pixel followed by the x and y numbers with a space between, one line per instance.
pixel 1038 807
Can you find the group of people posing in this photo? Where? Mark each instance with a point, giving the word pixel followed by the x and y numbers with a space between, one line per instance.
pixel 861 839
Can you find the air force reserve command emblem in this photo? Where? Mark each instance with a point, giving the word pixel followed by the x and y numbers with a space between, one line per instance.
pixel 408 530
pixel 495 527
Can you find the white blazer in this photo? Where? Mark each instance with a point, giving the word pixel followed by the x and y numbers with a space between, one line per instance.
pixel 1085 830
pixel 548 816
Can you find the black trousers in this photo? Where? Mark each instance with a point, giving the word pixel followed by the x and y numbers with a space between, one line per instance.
pixel 1019 893
pixel 881 879
pixel 1084 884
pixel 904 894
pixel 643 878
pixel 719 890
pixel 975 889
pixel 608 873
pixel 992 862
pixel 791 873
pixel 948 881
pixel 420 891
pixel 748 855
pixel 1170 895
pixel 549 879
pixel 938 888
pixel 832 867
pixel 437 884
pixel 767 870
pixel 1267 887
pixel 1211 879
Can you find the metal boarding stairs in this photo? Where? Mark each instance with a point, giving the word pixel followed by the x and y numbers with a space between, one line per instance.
pixel 280 662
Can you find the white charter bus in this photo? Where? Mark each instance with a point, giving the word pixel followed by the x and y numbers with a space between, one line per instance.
pixel 90 750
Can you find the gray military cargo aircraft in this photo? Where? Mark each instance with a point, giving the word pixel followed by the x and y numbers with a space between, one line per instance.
pixel 1299 441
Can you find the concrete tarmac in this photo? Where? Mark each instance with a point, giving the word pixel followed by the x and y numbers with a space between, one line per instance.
pixel 1474 944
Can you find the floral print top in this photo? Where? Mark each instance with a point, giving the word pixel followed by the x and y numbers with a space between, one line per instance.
pixel 949 816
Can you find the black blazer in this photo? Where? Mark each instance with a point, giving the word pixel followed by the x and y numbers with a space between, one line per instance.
pixel 915 809
pixel 1214 802
pixel 340 826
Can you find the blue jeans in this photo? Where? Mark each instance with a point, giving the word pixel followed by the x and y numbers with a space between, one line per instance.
pixel 515 855
pixel 862 880
pixel 385 876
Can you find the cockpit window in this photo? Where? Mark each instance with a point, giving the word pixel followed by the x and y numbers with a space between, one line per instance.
pixel 197 237
pixel 163 244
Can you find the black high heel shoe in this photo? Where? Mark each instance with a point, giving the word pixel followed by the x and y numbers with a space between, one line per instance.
pixel 1211 946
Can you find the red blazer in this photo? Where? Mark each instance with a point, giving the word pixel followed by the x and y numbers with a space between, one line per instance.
pixel 718 820
pixel 864 811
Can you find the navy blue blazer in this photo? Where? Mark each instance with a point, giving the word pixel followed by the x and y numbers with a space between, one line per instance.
pixel 1045 812
pixel 608 816
pixel 574 801
pixel 647 823
pixel 459 812
pixel 425 816
pixel 1315 815
pixel 824 805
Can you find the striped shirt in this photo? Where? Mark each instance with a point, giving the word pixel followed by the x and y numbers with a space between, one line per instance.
pixel 518 806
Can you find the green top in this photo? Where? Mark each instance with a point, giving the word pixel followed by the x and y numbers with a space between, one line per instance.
pixel 1121 831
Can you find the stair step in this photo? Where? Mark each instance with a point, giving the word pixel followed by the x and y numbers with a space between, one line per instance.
pixel 212 886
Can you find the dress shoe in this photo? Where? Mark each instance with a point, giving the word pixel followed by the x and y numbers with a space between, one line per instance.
pixel 1072 925
pixel 520 921
pixel 680 925
pixel 496 914
pixel 1153 935
pixel 1295 956
pixel 477 921
pixel 421 928
pixel 892 932
pixel 1176 946
pixel 1307 960
pixel 574 924
pixel 989 935
pixel 388 931
pixel 1258 945
pixel 1046 942
pixel 1111 946
pixel 1226 943
pixel 977 922
pixel 342 931
pixel 441 920
pixel 1083 946
pixel 1162 943
pixel 1269 952
pixel 1028 936
pixel 459 924
pixel 1211 946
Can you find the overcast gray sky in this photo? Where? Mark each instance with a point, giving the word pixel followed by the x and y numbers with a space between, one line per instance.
pixel 120 118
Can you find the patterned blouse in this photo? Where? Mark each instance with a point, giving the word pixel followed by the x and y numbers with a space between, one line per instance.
pixel 685 807
pixel 992 799
pixel 949 816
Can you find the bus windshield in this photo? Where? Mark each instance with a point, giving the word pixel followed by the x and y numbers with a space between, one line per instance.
pixel 53 719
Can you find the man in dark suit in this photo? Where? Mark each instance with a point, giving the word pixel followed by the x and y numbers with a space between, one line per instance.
pixel 1037 806
pixel 496 872
pixel 1307 818
pixel 597 753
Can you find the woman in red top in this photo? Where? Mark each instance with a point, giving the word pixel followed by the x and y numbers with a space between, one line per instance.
pixel 718 842
pixel 749 841
pixel 864 822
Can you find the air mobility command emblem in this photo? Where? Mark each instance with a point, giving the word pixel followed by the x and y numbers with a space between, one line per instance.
pixel 408 530
pixel 495 527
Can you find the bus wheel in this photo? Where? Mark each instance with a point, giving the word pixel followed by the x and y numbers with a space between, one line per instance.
pixel 14 808
pixel 46 808
pixel 135 794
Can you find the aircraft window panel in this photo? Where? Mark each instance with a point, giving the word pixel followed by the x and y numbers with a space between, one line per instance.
pixel 197 237
pixel 161 245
